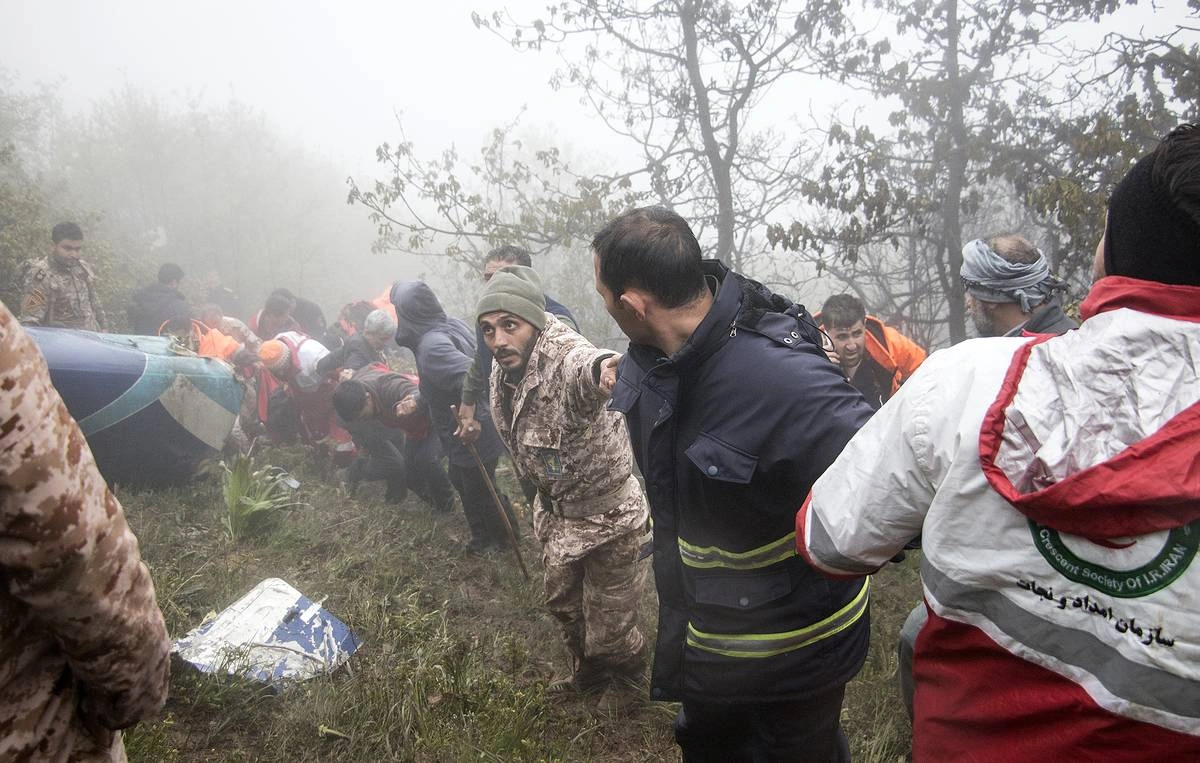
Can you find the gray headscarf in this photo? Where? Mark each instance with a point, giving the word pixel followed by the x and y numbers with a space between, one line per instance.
pixel 991 278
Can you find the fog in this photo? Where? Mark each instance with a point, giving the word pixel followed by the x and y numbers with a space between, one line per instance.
pixel 327 83
pixel 221 136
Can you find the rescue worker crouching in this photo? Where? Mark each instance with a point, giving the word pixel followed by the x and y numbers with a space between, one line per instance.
pixel 304 406
pixel 391 428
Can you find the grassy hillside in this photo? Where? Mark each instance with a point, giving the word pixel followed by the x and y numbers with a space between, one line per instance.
pixel 457 648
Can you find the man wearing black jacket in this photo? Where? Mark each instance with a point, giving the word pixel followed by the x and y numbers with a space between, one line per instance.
pixel 159 303
pixel 734 411
pixel 364 348
pixel 398 449
pixel 444 349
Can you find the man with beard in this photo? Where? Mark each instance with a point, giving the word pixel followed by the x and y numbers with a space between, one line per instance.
pixel 59 290
pixel 475 387
pixel 1010 290
pixel 549 387
pixel 1055 482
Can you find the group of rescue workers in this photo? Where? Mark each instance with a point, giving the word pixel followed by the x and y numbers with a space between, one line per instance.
pixel 1049 472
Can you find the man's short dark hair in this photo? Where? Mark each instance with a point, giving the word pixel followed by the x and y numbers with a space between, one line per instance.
pixel 842 311
pixel 654 250
pixel 349 398
pixel 278 304
pixel 1176 169
pixel 169 272
pixel 66 232
pixel 507 253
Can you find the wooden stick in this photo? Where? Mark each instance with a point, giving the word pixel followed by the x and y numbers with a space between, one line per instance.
pixel 512 537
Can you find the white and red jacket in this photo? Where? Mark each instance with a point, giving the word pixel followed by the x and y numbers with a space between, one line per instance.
pixel 1056 485
pixel 304 355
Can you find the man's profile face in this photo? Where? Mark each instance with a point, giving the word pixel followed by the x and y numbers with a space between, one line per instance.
pixel 849 343
pixel 491 267
pixel 628 324
pixel 69 247
pixel 376 341
pixel 981 316
pixel 510 340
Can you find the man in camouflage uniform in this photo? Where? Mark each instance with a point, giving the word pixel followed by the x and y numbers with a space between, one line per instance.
pixel 83 648
pixel 59 289
pixel 549 387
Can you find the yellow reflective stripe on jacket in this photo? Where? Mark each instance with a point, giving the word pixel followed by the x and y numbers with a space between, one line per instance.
pixel 709 557
pixel 770 644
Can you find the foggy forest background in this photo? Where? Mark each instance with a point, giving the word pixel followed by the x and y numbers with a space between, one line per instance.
pixel 953 120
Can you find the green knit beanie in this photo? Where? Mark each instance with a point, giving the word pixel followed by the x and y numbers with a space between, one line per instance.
pixel 515 289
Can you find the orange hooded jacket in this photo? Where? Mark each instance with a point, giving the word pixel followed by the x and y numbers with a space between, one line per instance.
pixel 895 353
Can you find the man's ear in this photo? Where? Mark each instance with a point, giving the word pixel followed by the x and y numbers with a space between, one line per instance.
pixel 635 301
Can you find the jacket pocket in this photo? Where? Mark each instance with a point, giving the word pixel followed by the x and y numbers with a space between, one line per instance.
pixel 541 437
pixel 719 460
pixel 745 591
pixel 543 444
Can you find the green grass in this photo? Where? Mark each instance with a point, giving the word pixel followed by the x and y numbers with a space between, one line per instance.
pixel 457 649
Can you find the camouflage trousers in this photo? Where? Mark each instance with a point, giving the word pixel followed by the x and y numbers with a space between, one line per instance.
pixel 595 600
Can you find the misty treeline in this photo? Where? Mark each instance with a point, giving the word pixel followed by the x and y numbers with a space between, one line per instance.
pixel 942 121
pixel 214 188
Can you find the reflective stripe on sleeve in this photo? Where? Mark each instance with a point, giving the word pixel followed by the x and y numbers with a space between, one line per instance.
pixel 710 557
pixel 750 645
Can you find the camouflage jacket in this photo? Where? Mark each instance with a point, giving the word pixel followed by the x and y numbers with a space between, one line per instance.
pixel 83 648
pixel 563 439
pixel 60 295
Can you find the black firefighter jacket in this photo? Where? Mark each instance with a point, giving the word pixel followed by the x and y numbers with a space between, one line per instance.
pixel 730 434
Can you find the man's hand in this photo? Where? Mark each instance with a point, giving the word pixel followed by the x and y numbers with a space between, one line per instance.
pixel 468 429
pixel 827 346
pixel 345 374
pixel 608 373
pixel 405 407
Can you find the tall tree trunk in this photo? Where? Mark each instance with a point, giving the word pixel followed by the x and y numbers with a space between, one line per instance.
pixel 956 166
pixel 719 164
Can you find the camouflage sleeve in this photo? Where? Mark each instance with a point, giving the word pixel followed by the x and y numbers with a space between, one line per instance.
pixel 583 390
pixel 66 552
pixel 35 297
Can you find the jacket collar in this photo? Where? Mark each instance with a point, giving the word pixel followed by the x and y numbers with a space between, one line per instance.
pixel 1168 300
pixel 712 332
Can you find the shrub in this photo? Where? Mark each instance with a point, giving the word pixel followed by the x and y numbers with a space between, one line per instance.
pixel 254 498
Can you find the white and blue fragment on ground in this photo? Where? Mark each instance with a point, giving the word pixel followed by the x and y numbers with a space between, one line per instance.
pixel 273 634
